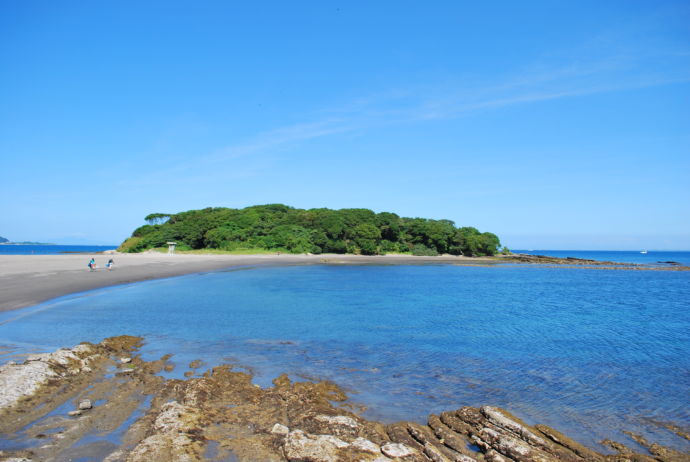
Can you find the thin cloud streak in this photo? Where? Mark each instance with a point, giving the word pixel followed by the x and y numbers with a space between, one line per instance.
pixel 264 142
pixel 399 106
pixel 527 98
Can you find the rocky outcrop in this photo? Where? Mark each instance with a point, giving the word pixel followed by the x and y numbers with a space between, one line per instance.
pixel 173 436
pixel 36 379
pixel 19 381
pixel 222 415
pixel 586 263
pixel 297 422
pixel 545 259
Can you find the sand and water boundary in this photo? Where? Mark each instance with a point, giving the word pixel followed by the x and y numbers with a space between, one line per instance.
pixel 27 280
pixel 116 379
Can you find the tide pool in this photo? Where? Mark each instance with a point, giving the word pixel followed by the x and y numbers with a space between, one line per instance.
pixel 590 352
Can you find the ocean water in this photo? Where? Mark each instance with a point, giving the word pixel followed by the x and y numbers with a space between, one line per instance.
pixel 20 249
pixel 652 257
pixel 590 352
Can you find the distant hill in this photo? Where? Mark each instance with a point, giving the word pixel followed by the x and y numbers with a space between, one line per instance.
pixel 4 240
pixel 282 228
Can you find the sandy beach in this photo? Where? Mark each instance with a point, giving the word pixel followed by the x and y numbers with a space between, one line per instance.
pixel 26 280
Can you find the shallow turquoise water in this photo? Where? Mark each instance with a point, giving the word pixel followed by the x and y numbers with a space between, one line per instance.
pixel 590 352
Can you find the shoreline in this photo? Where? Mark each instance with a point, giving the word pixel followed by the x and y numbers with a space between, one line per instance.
pixel 426 438
pixel 27 280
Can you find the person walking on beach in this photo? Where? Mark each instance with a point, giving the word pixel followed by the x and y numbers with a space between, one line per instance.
pixel 92 265
pixel 110 264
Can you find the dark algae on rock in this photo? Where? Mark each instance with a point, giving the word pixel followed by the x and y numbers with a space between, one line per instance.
pixel 103 402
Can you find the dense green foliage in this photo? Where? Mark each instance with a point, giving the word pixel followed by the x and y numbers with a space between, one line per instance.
pixel 283 228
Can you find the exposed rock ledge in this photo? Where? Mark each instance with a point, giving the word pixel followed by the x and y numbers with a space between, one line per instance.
pixel 586 263
pixel 221 415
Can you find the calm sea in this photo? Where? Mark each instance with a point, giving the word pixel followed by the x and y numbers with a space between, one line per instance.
pixel 20 249
pixel 590 352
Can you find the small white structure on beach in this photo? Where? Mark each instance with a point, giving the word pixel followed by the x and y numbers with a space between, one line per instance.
pixel 171 247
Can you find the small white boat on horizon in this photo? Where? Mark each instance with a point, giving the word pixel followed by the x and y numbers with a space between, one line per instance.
pixel 643 252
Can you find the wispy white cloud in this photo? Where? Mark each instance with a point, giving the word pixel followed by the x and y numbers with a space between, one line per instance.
pixel 209 167
pixel 541 82
pixel 280 136
pixel 460 107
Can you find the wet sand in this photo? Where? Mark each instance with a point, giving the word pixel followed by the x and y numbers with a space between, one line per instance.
pixel 26 280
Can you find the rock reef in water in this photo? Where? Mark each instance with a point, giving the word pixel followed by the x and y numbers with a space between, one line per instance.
pixel 222 415
pixel 586 263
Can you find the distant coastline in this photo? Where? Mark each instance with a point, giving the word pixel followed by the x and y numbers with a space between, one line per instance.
pixel 26 243
pixel 52 249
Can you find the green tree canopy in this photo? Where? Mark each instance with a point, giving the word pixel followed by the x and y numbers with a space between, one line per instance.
pixel 284 228
pixel 157 218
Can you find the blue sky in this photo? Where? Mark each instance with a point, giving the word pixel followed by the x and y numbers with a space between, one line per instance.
pixel 552 124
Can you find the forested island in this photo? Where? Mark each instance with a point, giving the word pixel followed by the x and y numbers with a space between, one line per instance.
pixel 278 227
